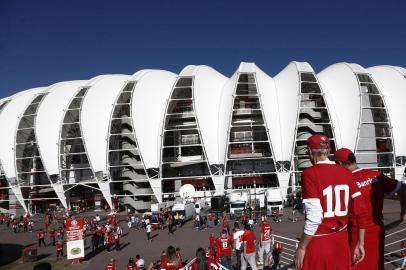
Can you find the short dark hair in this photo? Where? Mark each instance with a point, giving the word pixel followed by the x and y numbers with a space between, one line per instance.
pixel 247 226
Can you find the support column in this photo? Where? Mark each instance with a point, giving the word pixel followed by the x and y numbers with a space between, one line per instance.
pixel 60 192
pixel 218 181
pixel 156 185
pixel 106 191
pixel 20 198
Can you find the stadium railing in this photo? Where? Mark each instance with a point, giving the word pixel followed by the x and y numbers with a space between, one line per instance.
pixel 394 257
pixel 289 249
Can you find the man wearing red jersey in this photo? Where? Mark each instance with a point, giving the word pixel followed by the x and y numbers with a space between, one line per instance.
pixel 59 249
pixel 224 246
pixel 41 237
pixel 249 240
pixel 111 265
pixel 373 186
pixel 265 240
pixel 328 192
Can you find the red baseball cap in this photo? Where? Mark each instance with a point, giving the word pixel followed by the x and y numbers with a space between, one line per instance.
pixel 318 141
pixel 342 154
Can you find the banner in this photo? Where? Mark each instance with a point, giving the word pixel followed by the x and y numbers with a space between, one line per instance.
pixel 75 246
pixel 75 250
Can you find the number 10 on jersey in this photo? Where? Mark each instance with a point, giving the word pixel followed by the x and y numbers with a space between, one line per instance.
pixel 337 199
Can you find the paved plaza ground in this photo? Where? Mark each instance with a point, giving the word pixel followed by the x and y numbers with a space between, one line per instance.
pixel 135 242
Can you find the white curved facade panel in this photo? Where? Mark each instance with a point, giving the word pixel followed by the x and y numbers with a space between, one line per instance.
pixel 48 124
pixel 149 100
pixel 208 85
pixel 288 88
pixel 341 87
pixel 95 117
pixel 9 118
pixel 392 84
pixel 270 108
pixel 225 110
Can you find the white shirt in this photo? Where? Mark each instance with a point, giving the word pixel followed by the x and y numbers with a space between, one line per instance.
pixel 149 228
pixel 237 240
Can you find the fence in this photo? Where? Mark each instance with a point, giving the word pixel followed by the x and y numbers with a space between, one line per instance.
pixel 392 240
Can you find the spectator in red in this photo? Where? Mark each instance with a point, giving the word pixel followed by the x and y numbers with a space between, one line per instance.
pixel 59 249
pixel 276 254
pixel 265 240
pixel 179 257
pixel 403 246
pixel 116 239
pixel 225 222
pixel 25 224
pixel 52 236
pixel 249 241
pixel 109 241
pixel 224 247
pixel 41 237
pixel 171 263
pixel 212 240
pixel 131 265
pixel 14 225
pixel 59 234
pixel 163 256
pixel 111 265
pixel 203 262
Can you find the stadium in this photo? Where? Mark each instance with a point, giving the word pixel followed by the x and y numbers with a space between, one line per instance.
pixel 133 140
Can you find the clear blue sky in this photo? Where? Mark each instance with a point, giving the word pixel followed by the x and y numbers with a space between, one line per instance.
pixel 43 42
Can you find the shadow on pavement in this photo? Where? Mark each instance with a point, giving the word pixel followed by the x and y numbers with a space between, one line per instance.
pixel 10 253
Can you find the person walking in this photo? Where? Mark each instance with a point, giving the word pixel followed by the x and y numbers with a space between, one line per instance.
pixel 41 238
pixel 249 241
pixel 265 240
pixel 224 246
pixel 59 249
pixel 149 230
pixel 238 247
pixel 329 192
pixel 52 236
pixel 374 186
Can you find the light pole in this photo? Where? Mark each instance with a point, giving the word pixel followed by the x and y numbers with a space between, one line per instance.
pixel 255 194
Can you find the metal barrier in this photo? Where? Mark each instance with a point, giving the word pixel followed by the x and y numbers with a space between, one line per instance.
pixel 289 249
pixel 389 256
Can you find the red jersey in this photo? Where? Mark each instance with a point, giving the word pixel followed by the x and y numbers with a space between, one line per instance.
pixel 110 266
pixel 211 263
pixel 278 246
pixel 373 186
pixel 333 189
pixel 59 246
pixel 223 245
pixel 266 231
pixel 41 235
pixel 132 266
pixel 212 241
pixel 169 265
pixel 249 237
pixel 52 233
pixel 404 249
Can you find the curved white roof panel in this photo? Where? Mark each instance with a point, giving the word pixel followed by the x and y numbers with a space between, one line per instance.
pixel 95 117
pixel 48 124
pixel 392 84
pixel 208 85
pixel 9 120
pixel 148 106
pixel 288 90
pixel 269 104
pixel 341 86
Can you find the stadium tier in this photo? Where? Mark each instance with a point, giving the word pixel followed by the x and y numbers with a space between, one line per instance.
pixel 120 140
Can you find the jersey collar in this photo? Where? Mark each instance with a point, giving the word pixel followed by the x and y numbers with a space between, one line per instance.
pixel 326 161
pixel 357 170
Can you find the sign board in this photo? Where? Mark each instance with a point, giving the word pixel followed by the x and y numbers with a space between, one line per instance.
pixel 75 248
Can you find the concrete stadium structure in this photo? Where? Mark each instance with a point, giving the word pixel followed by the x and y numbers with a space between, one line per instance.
pixel 137 139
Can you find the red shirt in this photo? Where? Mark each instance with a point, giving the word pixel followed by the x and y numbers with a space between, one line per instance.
pixel 212 264
pixel 132 266
pixel 278 246
pixel 266 231
pixel 223 245
pixel 110 266
pixel 169 265
pixel 403 251
pixel 41 235
pixel 52 233
pixel 59 246
pixel 212 241
pixel 373 186
pixel 249 237
pixel 335 188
